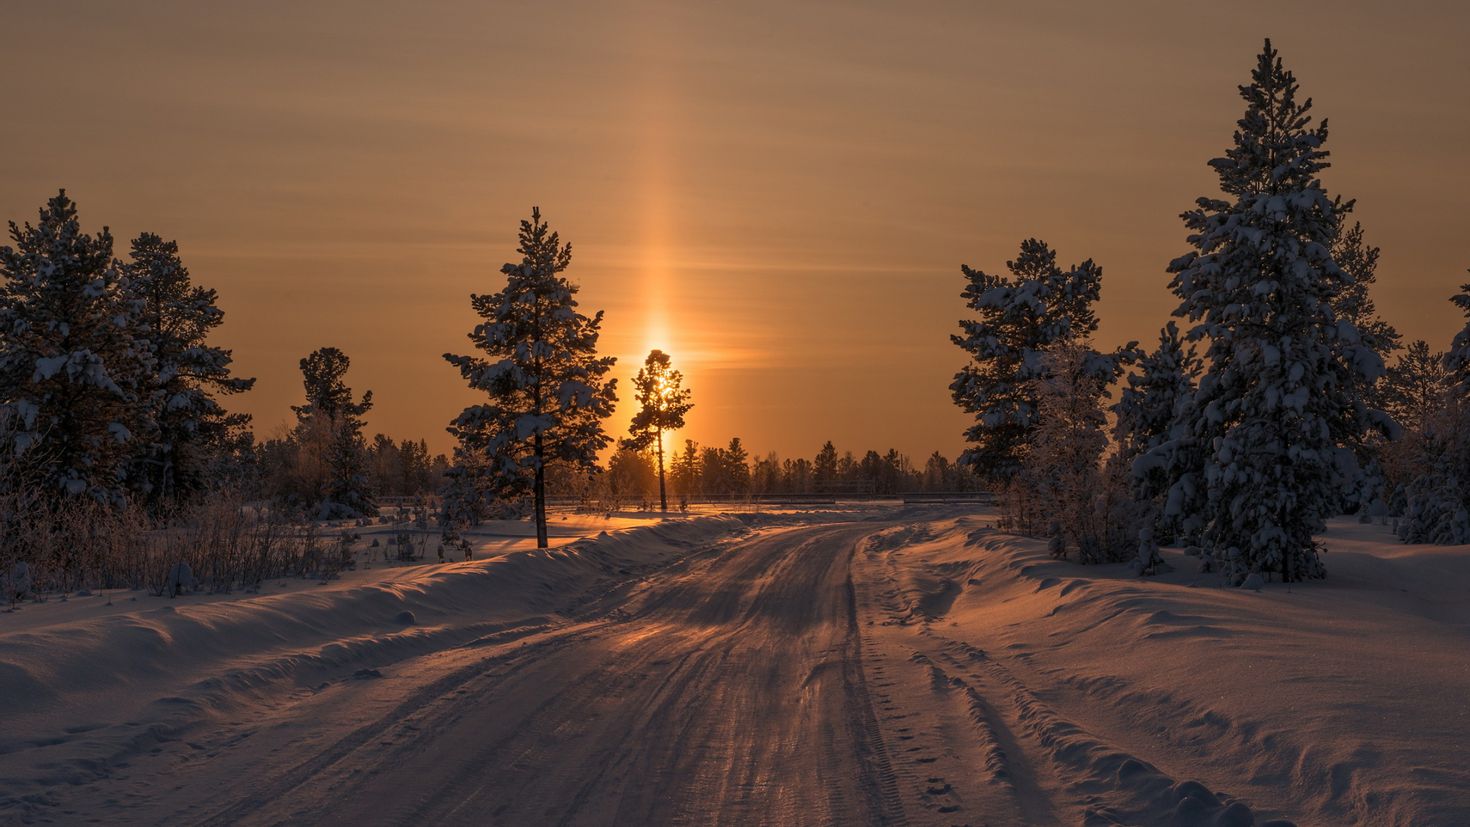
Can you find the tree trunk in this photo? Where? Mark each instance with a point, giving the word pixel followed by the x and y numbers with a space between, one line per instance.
pixel 540 490
pixel 663 497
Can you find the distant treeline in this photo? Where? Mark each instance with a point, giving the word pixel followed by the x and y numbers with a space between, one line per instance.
pixel 697 472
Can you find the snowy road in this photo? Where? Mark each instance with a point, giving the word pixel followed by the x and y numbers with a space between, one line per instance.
pixel 729 691
pixel 900 667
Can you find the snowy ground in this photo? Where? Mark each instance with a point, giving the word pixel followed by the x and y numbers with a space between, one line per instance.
pixel 887 665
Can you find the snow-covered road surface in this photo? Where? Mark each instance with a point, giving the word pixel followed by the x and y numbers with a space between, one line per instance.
pixel 896 667
pixel 729 689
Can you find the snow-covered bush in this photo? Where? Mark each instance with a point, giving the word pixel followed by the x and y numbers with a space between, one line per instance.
pixel 1062 482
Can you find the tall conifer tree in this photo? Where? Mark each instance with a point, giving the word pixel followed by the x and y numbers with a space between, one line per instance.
pixel 548 389
pixel 183 427
pixel 1280 395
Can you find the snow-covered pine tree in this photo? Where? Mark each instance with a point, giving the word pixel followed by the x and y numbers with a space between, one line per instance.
pixel 466 496
pixel 329 426
pixel 1276 404
pixel 1159 385
pixel 68 368
pixel 1146 413
pixel 1018 317
pixel 662 403
pixel 547 386
pixel 184 430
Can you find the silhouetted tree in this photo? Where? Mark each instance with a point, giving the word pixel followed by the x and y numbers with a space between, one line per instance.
pixel 824 467
pixel 332 475
pixel 687 472
pixel 662 403
pixel 183 429
pixel 547 386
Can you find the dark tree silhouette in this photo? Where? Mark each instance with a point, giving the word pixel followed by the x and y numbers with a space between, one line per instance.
pixel 662 403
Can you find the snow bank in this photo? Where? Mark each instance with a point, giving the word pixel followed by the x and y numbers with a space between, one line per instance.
pixel 1328 703
pixel 82 695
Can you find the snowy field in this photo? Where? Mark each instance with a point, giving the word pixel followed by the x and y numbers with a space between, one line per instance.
pixel 850 666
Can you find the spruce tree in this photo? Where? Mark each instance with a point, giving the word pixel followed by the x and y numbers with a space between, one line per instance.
pixel 1019 317
pixel 184 429
pixel 1159 385
pixel 687 472
pixel 662 403
pixel 548 389
pixel 738 461
pixel 1279 397
pixel 69 370
pixel 1146 413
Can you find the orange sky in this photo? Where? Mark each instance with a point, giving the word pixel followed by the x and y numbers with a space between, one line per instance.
pixel 779 197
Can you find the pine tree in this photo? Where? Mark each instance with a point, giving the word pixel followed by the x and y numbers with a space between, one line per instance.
pixel 688 472
pixel 1145 416
pixel 1019 318
pixel 69 371
pixel 329 427
pixel 1146 413
pixel 546 384
pixel 1354 302
pixel 662 403
pixel 1161 383
pixel 738 461
pixel 1277 399
pixel 185 431
pixel 1414 388
pixel 824 468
